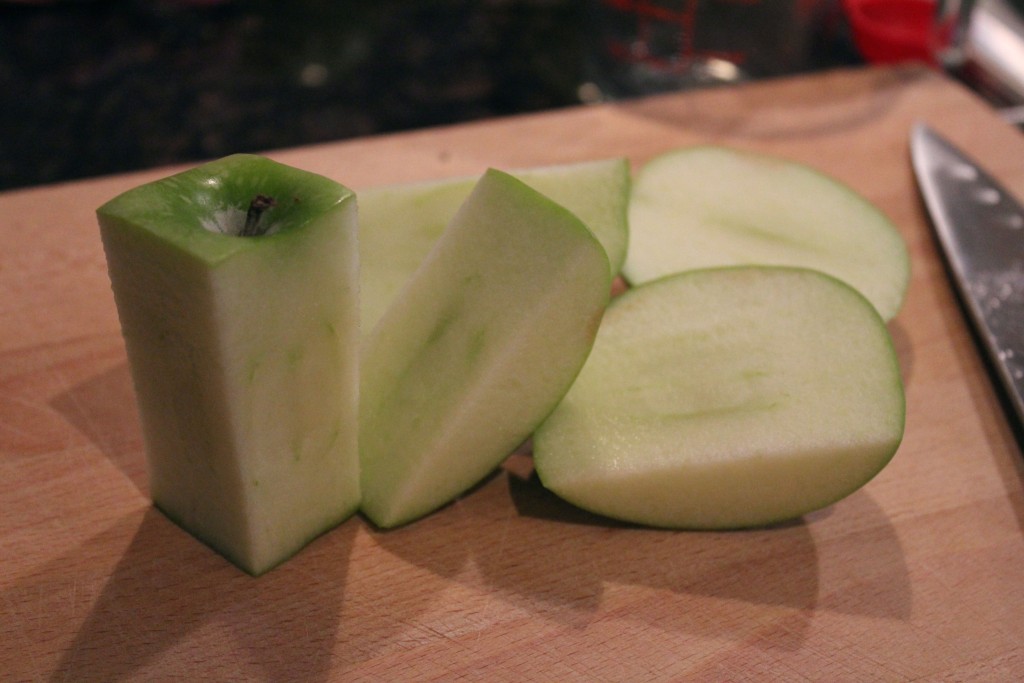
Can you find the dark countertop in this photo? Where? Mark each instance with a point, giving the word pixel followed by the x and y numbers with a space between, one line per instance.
pixel 105 86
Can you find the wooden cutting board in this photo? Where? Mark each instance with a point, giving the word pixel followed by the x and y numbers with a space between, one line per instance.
pixel 920 575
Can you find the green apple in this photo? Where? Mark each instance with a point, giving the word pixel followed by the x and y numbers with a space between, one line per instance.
pixel 477 348
pixel 236 285
pixel 726 398
pixel 398 224
pixel 711 206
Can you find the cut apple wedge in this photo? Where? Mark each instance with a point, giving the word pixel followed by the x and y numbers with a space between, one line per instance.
pixel 477 348
pixel 711 206
pixel 236 284
pixel 398 224
pixel 727 398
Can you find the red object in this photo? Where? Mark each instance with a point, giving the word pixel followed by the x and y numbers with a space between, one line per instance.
pixel 888 31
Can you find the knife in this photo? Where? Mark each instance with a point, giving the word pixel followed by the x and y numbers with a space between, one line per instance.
pixel 980 227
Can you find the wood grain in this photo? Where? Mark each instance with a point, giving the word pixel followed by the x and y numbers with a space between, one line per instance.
pixel 918 576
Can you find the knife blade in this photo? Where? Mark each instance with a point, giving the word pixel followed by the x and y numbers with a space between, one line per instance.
pixel 980 227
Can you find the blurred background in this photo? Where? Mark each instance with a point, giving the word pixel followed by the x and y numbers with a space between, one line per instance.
pixel 90 87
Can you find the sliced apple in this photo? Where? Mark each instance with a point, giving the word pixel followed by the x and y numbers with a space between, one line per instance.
pixel 243 350
pixel 477 349
pixel 398 224
pixel 726 398
pixel 711 206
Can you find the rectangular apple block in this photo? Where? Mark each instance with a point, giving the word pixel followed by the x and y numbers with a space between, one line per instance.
pixel 243 350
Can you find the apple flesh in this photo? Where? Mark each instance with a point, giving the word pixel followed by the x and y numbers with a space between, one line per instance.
pixel 727 398
pixel 399 224
pixel 242 350
pixel 711 206
pixel 477 348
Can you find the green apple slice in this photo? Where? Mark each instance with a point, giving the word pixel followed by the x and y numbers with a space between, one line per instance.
pixel 711 206
pixel 477 349
pixel 243 350
pixel 727 398
pixel 398 224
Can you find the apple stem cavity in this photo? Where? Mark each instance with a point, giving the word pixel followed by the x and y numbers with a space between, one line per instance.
pixel 259 205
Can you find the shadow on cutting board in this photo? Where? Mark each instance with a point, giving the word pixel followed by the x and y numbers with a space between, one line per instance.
pixel 102 408
pixel 781 565
pixel 173 605
pixel 169 596
pixel 548 558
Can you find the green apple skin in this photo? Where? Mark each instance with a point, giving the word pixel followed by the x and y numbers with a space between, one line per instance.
pixel 243 351
pixel 399 224
pixel 727 398
pixel 477 349
pixel 708 206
